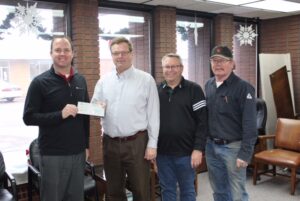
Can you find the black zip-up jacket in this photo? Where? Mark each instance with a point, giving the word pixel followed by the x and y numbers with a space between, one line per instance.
pixel 47 95
pixel 183 119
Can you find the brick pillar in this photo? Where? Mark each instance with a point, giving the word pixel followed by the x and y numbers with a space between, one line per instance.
pixel 245 57
pixel 85 36
pixel 164 36
pixel 224 29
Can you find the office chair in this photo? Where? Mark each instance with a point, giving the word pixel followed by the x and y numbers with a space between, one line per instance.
pixel 261 116
pixel 34 175
pixel 261 120
pixel 8 186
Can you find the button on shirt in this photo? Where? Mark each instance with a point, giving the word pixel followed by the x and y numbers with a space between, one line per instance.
pixel 132 104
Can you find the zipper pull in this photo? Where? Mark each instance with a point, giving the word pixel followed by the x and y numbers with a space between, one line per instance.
pixel 170 92
pixel 69 84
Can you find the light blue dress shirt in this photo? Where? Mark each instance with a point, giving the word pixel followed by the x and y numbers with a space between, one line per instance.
pixel 132 104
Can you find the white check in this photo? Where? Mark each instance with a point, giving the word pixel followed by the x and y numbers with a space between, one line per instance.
pixel 90 109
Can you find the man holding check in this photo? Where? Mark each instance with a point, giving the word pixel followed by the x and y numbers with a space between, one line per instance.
pixel 130 124
pixel 51 104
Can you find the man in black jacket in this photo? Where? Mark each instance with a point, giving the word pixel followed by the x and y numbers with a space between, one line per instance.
pixel 51 104
pixel 232 127
pixel 183 130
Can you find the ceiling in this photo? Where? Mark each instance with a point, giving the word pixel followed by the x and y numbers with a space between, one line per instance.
pixel 209 7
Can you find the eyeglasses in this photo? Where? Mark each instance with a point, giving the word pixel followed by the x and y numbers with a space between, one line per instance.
pixel 172 67
pixel 115 54
pixel 59 51
pixel 219 61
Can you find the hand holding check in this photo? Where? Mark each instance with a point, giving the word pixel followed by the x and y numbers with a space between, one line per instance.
pixel 94 109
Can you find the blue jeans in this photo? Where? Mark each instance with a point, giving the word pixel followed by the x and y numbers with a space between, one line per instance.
pixel 173 170
pixel 227 181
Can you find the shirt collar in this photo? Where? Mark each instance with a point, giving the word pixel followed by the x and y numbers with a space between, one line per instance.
pixel 125 74
pixel 164 84
pixel 71 75
pixel 229 80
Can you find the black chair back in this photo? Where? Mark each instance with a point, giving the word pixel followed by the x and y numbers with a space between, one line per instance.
pixel 2 170
pixel 262 115
pixel 34 176
pixel 8 191
pixel 34 153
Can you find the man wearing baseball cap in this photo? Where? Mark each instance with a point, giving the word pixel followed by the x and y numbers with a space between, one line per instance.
pixel 232 127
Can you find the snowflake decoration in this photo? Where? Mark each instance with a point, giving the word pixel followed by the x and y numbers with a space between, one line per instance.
pixel 27 18
pixel 246 35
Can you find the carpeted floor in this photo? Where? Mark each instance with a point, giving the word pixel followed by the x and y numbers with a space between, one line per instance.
pixel 268 189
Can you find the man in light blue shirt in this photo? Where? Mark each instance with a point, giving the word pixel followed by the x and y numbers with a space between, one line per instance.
pixel 131 124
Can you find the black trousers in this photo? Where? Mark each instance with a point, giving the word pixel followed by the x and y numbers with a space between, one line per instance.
pixel 62 177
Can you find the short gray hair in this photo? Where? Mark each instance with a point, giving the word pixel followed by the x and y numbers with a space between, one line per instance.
pixel 171 55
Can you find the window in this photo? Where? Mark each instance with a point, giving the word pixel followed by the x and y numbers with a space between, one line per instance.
pixel 135 26
pixel 24 46
pixel 194 53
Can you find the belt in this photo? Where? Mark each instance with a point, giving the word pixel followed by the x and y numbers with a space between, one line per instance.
pixel 127 138
pixel 219 141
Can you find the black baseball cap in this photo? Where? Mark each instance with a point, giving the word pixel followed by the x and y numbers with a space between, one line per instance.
pixel 221 51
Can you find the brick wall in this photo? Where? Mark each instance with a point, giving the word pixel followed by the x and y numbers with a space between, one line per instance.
pixel 84 23
pixel 244 56
pixel 282 35
pixel 141 44
pixel 22 193
pixel 165 36
pixel 224 29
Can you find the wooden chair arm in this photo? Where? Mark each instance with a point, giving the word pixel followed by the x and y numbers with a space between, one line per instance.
pixel 266 137
pixel 262 142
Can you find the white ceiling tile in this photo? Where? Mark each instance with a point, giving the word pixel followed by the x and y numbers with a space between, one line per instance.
pixel 210 7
